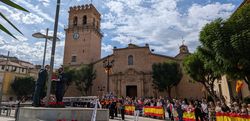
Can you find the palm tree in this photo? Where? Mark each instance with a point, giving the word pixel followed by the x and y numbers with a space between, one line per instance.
pixel 14 5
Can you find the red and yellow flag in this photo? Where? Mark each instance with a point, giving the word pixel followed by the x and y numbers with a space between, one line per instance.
pixel 239 85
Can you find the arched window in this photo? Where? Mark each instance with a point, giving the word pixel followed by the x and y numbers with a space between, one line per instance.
pixel 84 20
pixel 130 60
pixel 75 21
pixel 94 22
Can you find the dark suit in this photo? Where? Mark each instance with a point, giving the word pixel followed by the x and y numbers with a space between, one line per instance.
pixel 60 87
pixel 40 84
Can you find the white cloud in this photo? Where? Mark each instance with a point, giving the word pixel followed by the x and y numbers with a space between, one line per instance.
pixel 160 22
pixel 21 38
pixel 200 15
pixel 32 52
pixel 38 11
pixel 115 6
pixel 46 3
pixel 107 48
pixel 21 17
pixel 4 8
pixel 2 41
pixel 32 19
pixel 108 25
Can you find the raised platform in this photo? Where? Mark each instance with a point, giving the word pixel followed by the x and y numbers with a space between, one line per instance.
pixel 54 114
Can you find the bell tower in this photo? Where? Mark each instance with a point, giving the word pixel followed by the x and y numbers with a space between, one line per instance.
pixel 83 36
pixel 183 48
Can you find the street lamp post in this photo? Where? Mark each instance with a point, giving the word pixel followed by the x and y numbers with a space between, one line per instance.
pixel 47 37
pixel 53 51
pixel 107 64
pixel 40 35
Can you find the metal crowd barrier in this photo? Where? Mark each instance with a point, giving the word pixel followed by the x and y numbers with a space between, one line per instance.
pixel 79 101
pixel 5 111
pixel 10 109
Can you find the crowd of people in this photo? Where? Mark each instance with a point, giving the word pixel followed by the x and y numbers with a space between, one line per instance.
pixel 174 108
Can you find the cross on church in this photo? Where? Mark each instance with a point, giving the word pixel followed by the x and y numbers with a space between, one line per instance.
pixel 183 41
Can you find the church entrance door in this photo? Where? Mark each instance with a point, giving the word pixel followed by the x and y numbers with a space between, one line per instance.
pixel 131 91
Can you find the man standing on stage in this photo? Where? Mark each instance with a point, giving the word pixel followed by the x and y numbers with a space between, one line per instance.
pixel 60 84
pixel 40 85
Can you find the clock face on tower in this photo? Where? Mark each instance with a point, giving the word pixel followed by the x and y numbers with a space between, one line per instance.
pixel 75 35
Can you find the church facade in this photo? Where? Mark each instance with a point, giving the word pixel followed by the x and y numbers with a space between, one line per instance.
pixel 127 71
pixel 131 74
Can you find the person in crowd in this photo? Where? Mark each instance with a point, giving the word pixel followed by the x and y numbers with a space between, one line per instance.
pixel 40 85
pixel 158 103
pixel 204 108
pixel 184 105
pixel 203 111
pixel 179 110
pixel 218 106
pixel 112 109
pixel 211 112
pixel 116 108
pixel 244 110
pixel 137 110
pixel 60 84
pixel 198 111
pixel 122 109
pixel 248 109
pixel 231 107
pixel 170 107
pixel 225 108
pixel 152 102
pixel 236 107
pixel 118 105
pixel 190 107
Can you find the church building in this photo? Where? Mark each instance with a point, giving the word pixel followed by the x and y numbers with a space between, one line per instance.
pixel 127 71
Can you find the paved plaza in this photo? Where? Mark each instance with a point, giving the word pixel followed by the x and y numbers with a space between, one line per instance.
pixel 131 118
pixel 127 118
pixel 6 119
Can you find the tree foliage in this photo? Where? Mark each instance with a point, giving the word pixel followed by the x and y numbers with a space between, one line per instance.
pixel 228 43
pixel 70 74
pixel 196 68
pixel 23 86
pixel 16 6
pixel 84 78
pixel 237 29
pixel 166 75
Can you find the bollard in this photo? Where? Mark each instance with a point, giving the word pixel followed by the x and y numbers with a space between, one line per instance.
pixel 9 111
pixel 17 110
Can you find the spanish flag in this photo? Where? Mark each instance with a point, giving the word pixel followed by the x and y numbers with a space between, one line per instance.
pixel 239 85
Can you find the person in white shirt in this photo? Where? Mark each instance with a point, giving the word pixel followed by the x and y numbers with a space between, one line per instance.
pixel 170 108
pixel 137 110
pixel 204 109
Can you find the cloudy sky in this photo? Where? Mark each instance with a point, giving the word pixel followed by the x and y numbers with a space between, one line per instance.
pixel 160 23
